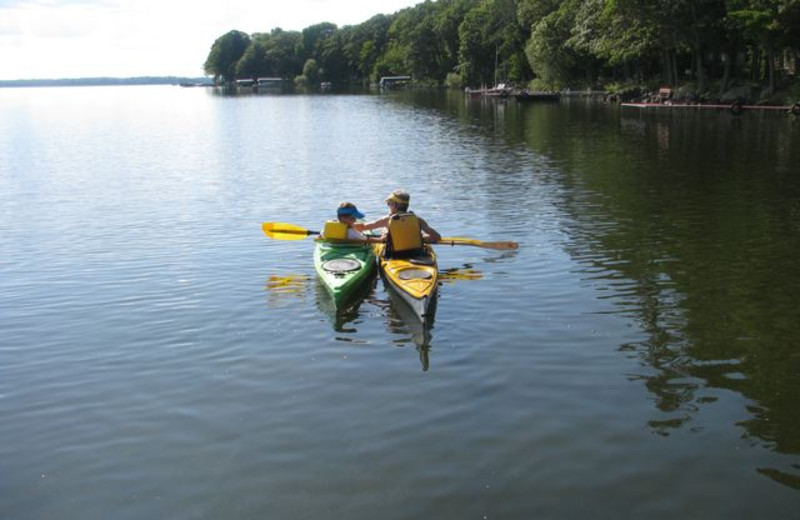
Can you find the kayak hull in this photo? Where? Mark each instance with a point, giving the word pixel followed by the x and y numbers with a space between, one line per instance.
pixel 414 279
pixel 343 268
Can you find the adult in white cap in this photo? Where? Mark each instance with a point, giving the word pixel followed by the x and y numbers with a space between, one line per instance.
pixel 398 202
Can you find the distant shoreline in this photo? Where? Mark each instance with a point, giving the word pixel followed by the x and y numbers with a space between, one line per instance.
pixel 98 82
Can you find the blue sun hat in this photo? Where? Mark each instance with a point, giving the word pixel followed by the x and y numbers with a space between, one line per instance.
pixel 349 209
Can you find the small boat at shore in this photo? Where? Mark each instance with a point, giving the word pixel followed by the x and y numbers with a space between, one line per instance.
pixel 414 278
pixel 528 95
pixel 500 90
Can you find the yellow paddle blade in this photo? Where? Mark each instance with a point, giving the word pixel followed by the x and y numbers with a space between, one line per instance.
pixel 458 241
pixel 283 231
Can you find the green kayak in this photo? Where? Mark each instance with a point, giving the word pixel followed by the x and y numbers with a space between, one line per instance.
pixel 343 267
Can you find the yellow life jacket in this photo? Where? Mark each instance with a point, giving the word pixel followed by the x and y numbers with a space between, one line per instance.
pixel 405 232
pixel 335 230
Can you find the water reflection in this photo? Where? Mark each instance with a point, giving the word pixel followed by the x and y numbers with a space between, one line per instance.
pixel 245 91
pixel 287 283
pixel 284 287
pixel 500 256
pixel 686 224
pixel 782 477
pixel 694 236
pixel 401 319
pixel 454 274
pixel 347 311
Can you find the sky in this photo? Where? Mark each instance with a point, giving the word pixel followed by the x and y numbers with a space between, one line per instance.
pixel 50 39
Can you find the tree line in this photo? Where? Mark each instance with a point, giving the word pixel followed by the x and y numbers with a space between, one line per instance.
pixel 551 44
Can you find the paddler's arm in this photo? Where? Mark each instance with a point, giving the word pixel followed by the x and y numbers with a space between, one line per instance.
pixel 375 224
pixel 431 235
pixel 353 234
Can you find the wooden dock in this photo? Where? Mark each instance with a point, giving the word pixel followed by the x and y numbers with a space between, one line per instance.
pixel 734 108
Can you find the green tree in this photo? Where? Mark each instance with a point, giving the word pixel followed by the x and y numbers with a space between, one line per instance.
pixel 561 42
pixel 393 62
pixel 282 53
pixel 365 43
pixel 253 62
pixel 604 33
pixel 413 31
pixel 311 70
pixel 225 53
pixel 334 64
pixel 447 21
pixel 310 75
pixel 765 26
pixel 313 39
pixel 512 36
pixel 530 12
pixel 548 55
pixel 477 46
pixel 491 44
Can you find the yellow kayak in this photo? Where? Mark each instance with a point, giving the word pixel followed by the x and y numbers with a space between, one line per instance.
pixel 414 278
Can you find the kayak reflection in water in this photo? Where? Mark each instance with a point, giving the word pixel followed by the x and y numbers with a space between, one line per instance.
pixel 401 319
pixel 343 315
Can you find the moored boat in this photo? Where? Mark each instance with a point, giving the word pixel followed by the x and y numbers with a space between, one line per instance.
pixel 528 95
pixel 414 278
pixel 500 90
pixel 343 267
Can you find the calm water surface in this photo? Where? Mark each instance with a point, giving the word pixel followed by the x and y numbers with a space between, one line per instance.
pixel 161 358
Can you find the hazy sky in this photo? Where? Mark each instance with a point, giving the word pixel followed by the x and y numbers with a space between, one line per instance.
pixel 49 39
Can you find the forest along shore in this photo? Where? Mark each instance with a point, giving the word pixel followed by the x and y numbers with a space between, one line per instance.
pixel 714 51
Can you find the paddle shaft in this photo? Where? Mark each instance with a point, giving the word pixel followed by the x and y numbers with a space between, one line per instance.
pixel 303 232
pixel 454 241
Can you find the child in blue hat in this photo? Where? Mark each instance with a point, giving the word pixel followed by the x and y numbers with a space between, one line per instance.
pixel 348 214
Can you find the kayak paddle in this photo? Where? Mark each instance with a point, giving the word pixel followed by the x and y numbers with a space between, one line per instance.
pixel 457 241
pixel 283 231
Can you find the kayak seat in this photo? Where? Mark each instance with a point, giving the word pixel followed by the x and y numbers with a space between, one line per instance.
pixel 414 274
pixel 388 252
pixel 341 265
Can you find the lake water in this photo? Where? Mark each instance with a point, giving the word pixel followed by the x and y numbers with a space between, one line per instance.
pixel 160 357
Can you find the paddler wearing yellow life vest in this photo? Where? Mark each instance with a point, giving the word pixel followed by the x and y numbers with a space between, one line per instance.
pixel 406 232
pixel 343 228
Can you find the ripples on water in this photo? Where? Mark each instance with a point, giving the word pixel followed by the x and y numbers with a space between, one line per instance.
pixel 162 358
